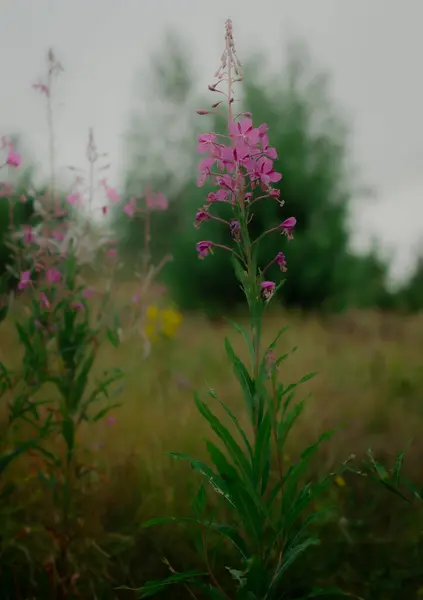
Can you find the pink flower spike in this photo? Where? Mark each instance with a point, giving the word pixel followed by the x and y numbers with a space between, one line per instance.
pixel 111 420
pixel 268 289
pixel 287 227
pixel 77 305
pixel 25 280
pixel 53 276
pixel 13 159
pixel 112 252
pixel 130 208
pixel 204 248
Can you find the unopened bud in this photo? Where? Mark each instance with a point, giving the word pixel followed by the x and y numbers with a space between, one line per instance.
pixel 200 111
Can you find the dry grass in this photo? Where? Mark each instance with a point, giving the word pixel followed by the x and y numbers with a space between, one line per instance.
pixel 369 385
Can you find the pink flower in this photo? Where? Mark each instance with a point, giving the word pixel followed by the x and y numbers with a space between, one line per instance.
pixel 59 235
pixel 88 292
pixel 28 236
pixel 268 289
pixel 41 87
pixel 112 252
pixel 13 159
pixel 6 189
pixel 263 170
pixel 130 208
pixel 44 301
pixel 219 196
pixel 270 152
pixel 287 227
pixel 201 216
pixel 156 201
pixel 77 305
pixel 204 248
pixel 280 260
pixel 111 420
pixel 235 228
pixel 205 170
pixel 112 194
pixel 243 131
pixel 206 143
pixel 53 276
pixel 73 198
pixel 25 280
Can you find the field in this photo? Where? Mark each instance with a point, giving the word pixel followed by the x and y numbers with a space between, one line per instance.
pixel 369 386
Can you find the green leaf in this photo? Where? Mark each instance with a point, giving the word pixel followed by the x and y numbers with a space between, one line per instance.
pixel 262 451
pixel 247 384
pixel 287 422
pixel 102 413
pixel 213 478
pixel 221 431
pixel 290 557
pixel 238 428
pixel 68 432
pixel 151 588
pixel 9 457
pixel 306 378
pixel 398 467
pixel 241 330
pixel 233 535
pixel 113 337
pixel 200 500
pixel 226 471
pixel 166 520
pixel 81 381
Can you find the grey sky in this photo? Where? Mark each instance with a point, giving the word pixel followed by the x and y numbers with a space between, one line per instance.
pixel 373 49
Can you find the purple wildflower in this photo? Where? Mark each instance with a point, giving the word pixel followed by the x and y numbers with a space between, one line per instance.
pixel 287 227
pixel 268 289
pixel 280 260
pixel 204 248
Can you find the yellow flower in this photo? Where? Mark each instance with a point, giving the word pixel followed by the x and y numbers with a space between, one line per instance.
pixel 340 481
pixel 152 313
pixel 171 320
pixel 150 324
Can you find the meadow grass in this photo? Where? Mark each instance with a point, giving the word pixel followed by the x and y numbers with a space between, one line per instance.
pixel 369 387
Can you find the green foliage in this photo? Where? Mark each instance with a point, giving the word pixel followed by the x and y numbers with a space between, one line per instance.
pixel 409 297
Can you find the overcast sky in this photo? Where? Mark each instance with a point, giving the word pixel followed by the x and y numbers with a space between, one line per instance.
pixel 372 48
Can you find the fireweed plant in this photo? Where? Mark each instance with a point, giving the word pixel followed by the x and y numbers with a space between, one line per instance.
pixel 269 505
pixel 61 325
